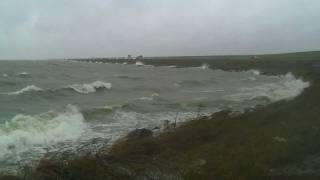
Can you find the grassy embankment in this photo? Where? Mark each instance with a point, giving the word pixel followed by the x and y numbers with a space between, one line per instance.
pixel 279 141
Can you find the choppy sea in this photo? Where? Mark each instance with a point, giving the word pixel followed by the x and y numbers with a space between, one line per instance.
pixel 68 106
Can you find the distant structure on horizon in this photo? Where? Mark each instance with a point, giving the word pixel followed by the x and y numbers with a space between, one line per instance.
pixel 129 56
pixel 140 57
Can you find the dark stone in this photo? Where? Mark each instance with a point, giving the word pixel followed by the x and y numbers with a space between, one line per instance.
pixel 139 133
pixel 9 177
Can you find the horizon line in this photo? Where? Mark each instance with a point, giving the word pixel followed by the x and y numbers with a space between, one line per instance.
pixel 170 56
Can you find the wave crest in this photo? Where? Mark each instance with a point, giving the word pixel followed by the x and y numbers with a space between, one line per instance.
pixel 23 132
pixel 27 89
pixel 205 66
pixel 139 63
pixel 80 88
pixel 91 87
pixel 23 74
pixel 287 88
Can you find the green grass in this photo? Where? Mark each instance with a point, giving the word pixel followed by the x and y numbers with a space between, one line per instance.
pixel 242 147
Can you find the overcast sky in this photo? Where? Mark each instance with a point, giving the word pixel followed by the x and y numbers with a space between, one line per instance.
pixel 35 29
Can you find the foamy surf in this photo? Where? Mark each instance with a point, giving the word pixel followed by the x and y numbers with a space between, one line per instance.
pixel 205 66
pixel 139 63
pixel 286 88
pixel 34 134
pixel 27 89
pixel 184 93
pixel 255 72
pixel 148 98
pixel 23 74
pixel 91 87
pixel 80 88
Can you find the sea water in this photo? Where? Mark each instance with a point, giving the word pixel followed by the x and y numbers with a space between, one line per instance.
pixel 67 106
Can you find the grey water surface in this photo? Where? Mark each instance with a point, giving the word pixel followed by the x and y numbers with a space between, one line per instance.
pixel 59 106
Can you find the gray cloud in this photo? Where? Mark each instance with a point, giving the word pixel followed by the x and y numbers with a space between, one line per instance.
pixel 97 28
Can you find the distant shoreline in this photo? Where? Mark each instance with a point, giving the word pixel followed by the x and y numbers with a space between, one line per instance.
pixel 163 57
pixel 269 64
pixel 195 56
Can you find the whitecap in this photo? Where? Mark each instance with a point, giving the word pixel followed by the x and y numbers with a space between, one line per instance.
pixel 145 98
pixel 25 132
pixel 91 87
pixel 148 98
pixel 205 66
pixel 27 89
pixel 139 63
pixel 23 74
pixel 286 88
pixel 255 72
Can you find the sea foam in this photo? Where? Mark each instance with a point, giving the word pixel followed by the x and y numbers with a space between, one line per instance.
pixel 24 132
pixel 91 87
pixel 205 66
pixel 27 89
pixel 139 63
pixel 80 88
pixel 286 88
pixel 23 74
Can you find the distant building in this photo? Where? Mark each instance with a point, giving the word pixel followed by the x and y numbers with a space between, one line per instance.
pixel 139 57
pixel 129 56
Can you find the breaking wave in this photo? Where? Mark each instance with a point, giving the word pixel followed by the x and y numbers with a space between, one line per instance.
pixel 91 87
pixel 139 63
pixel 23 74
pixel 80 88
pixel 287 87
pixel 27 89
pixel 205 66
pixel 24 132
pixel 255 72
pixel 148 98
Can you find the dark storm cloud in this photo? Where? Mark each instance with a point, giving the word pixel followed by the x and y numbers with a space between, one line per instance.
pixel 96 28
